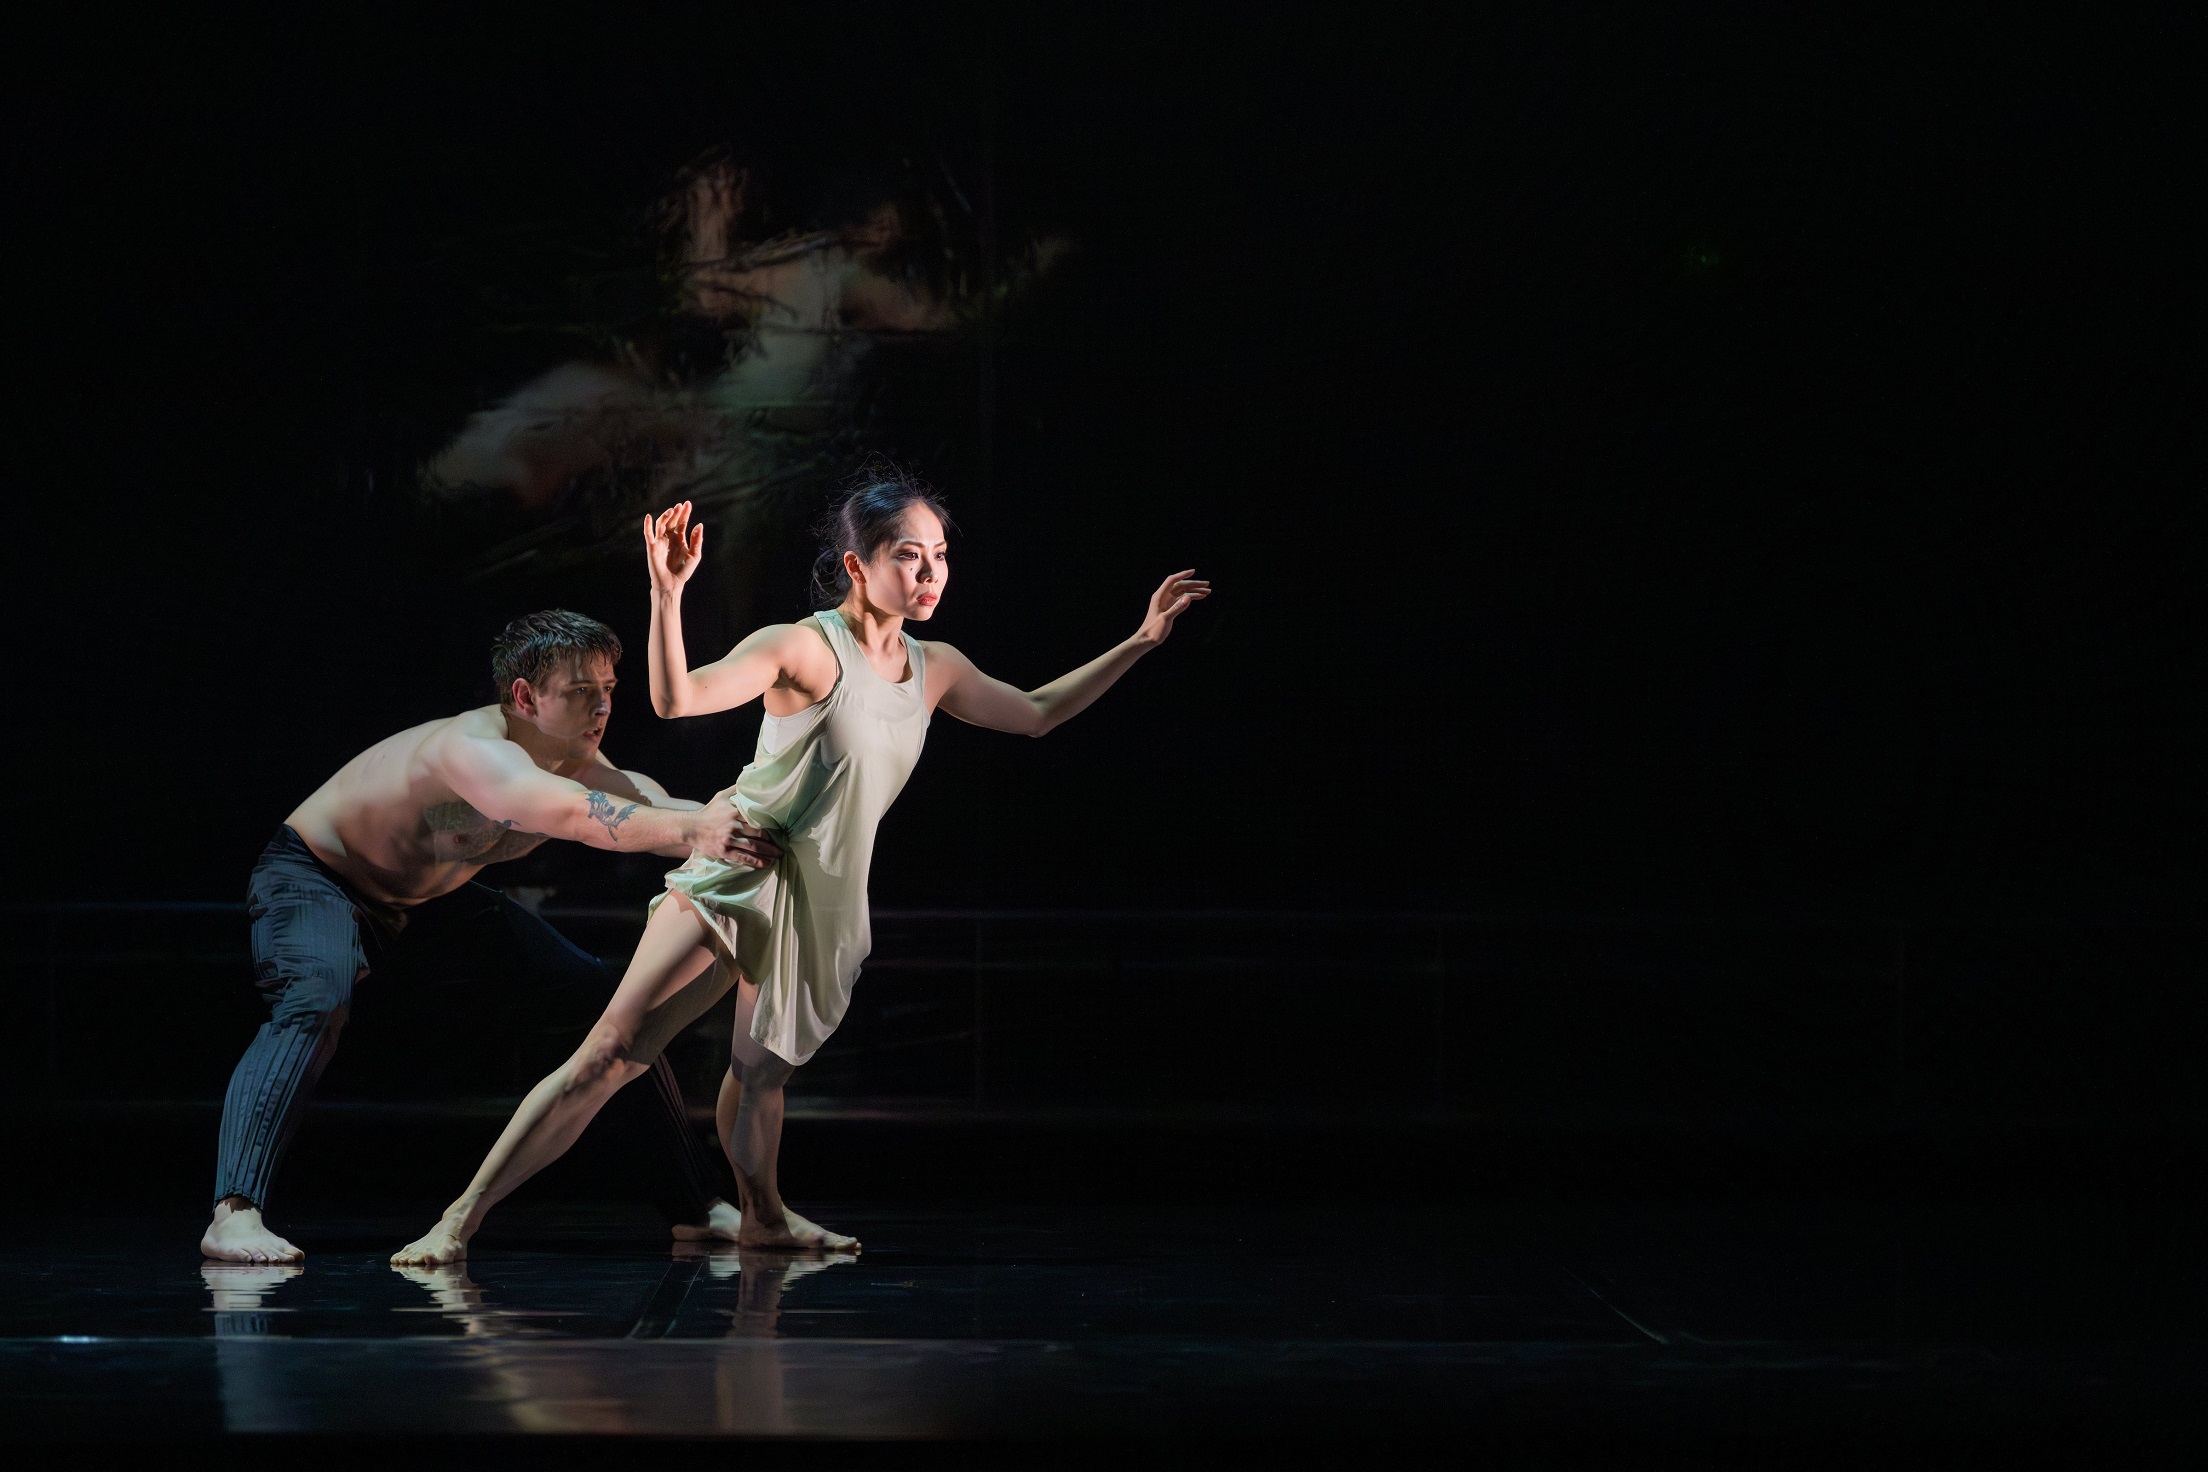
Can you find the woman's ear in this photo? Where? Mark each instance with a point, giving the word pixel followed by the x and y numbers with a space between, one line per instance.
pixel 854 569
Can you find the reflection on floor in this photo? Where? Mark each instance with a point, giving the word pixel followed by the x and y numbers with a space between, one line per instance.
pixel 1798 1320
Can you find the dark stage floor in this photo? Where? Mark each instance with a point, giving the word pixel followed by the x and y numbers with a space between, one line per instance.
pixel 1819 1326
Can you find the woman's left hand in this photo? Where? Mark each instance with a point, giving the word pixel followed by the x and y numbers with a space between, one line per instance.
pixel 1172 599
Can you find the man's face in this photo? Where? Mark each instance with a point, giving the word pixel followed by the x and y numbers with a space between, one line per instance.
pixel 574 703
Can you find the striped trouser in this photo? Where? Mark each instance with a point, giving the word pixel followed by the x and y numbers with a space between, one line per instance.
pixel 315 940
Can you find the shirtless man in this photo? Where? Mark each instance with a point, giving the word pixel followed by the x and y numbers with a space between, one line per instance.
pixel 373 873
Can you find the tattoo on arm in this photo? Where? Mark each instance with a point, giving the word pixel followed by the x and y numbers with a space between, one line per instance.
pixel 603 811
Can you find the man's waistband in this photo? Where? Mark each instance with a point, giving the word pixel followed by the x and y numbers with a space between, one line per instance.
pixel 288 846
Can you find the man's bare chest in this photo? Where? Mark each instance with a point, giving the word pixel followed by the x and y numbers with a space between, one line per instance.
pixel 458 834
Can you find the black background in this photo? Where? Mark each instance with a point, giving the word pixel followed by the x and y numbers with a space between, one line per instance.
pixel 1708 464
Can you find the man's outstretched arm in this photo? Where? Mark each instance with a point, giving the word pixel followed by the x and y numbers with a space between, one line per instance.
pixel 617 781
pixel 497 778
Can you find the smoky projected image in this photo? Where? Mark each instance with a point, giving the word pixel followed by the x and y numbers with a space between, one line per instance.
pixel 740 369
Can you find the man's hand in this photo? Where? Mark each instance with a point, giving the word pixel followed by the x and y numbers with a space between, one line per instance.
pixel 672 547
pixel 719 831
pixel 1172 599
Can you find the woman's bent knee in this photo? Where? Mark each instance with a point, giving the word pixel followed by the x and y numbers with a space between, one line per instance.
pixel 601 1061
pixel 769 1073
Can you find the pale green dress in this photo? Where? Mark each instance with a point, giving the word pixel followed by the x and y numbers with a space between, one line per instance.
pixel 799 929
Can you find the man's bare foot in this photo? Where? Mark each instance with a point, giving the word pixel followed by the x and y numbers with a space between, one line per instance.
pixel 237 1235
pixel 439 1245
pixel 797 1234
pixel 722 1224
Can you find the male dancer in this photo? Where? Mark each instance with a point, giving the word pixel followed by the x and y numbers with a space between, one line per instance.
pixel 372 873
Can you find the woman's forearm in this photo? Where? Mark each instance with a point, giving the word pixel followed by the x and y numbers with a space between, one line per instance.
pixel 1070 694
pixel 669 663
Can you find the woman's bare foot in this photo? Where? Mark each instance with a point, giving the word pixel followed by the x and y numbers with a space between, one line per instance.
pixel 723 1223
pixel 439 1245
pixel 237 1235
pixel 797 1233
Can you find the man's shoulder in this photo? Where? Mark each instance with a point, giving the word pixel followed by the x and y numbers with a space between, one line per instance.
pixel 458 736
pixel 484 723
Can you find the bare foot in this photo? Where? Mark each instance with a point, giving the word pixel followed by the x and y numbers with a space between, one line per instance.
pixel 237 1235
pixel 797 1233
pixel 722 1224
pixel 439 1245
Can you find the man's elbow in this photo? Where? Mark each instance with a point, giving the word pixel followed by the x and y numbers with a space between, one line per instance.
pixel 576 828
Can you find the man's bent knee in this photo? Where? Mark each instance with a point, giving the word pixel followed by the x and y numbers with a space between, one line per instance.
pixel 311 1008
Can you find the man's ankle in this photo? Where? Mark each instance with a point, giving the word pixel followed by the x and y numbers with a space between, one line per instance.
pixel 232 1205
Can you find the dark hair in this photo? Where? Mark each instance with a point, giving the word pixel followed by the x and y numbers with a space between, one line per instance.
pixel 535 645
pixel 863 518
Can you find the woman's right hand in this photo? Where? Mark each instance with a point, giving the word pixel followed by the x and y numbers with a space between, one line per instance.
pixel 672 547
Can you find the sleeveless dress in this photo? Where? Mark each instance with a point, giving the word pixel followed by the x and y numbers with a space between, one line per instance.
pixel 819 784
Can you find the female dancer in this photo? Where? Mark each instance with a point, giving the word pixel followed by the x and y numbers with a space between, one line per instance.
pixel 848 696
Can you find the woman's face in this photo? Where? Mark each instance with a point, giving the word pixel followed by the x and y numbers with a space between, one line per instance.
pixel 907 574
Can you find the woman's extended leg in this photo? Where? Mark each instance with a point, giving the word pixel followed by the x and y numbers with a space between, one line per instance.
pixel 656 997
pixel 748 1115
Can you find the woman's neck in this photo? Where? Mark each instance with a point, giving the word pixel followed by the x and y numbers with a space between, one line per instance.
pixel 876 631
